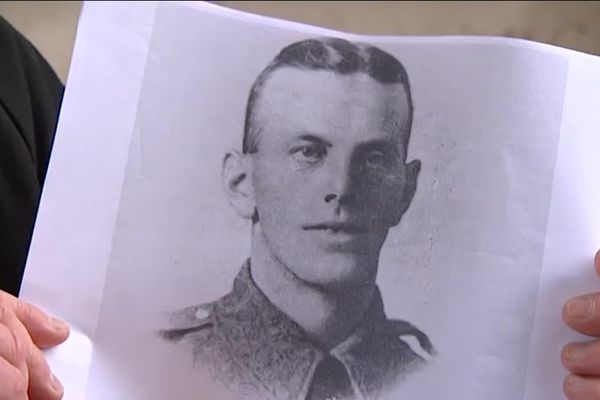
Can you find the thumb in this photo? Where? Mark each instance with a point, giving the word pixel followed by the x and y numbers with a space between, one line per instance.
pixel 45 331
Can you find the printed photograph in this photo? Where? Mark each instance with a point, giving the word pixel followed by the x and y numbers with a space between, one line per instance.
pixel 315 215
pixel 322 174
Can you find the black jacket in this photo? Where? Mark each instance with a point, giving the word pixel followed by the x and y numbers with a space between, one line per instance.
pixel 30 97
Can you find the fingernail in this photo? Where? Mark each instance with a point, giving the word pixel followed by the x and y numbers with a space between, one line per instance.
pixel 575 383
pixel 58 324
pixel 575 352
pixel 580 307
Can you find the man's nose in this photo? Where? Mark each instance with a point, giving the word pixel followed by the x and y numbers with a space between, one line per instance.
pixel 341 182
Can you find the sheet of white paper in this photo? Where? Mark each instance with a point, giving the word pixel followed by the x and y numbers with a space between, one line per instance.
pixel 134 223
pixel 71 244
pixel 573 228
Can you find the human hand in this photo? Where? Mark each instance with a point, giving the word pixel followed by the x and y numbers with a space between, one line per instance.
pixel 582 359
pixel 24 332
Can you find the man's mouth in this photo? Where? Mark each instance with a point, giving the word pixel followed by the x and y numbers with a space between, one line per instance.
pixel 337 227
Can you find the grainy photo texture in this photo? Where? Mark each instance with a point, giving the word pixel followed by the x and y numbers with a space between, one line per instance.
pixel 323 175
pixel 308 214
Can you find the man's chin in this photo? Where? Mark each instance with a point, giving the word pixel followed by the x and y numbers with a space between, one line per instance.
pixel 336 275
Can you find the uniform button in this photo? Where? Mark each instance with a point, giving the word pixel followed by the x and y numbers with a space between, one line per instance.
pixel 201 313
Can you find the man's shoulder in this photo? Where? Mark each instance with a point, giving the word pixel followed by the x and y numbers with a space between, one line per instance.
pixel 403 331
pixel 189 321
pixel 403 349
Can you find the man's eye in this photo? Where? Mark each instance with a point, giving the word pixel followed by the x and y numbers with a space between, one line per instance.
pixel 310 153
pixel 375 159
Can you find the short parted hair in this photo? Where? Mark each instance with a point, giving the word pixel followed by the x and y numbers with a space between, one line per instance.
pixel 327 54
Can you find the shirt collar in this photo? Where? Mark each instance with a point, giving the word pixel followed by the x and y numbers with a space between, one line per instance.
pixel 282 356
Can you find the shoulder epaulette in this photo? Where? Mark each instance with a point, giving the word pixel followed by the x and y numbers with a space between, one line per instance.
pixel 188 320
pixel 403 328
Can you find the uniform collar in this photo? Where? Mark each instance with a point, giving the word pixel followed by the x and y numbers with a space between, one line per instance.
pixel 279 354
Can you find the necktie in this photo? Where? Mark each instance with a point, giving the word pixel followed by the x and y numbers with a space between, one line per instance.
pixel 330 381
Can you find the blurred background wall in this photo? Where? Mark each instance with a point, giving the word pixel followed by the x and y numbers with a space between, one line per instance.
pixel 51 25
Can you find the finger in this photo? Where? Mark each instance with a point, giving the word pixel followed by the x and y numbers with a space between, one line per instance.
pixel 582 388
pixel 45 331
pixel 583 314
pixel 582 358
pixel 14 339
pixel 11 348
pixel 23 354
pixel 12 382
pixel 42 383
pixel 597 262
pixel 14 374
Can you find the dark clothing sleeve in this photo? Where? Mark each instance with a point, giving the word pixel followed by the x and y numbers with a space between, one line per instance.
pixel 30 97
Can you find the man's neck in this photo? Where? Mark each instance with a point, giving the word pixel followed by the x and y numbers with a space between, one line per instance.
pixel 327 316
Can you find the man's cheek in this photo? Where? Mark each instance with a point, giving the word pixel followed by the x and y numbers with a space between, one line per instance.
pixel 384 208
pixel 274 205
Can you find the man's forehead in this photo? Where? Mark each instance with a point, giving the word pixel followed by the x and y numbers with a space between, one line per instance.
pixel 310 98
pixel 295 81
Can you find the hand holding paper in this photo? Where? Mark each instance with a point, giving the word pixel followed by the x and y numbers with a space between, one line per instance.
pixel 583 359
pixel 24 332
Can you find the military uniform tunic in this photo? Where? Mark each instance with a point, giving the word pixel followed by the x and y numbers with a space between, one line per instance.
pixel 252 347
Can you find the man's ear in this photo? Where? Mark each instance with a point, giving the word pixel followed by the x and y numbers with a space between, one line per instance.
pixel 409 188
pixel 237 182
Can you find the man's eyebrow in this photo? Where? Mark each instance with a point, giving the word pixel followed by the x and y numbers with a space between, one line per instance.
pixel 381 144
pixel 385 145
pixel 310 137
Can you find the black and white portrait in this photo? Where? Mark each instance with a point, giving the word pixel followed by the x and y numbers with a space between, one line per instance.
pixel 322 174
pixel 313 215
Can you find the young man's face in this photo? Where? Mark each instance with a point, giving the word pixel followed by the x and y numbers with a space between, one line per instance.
pixel 329 176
